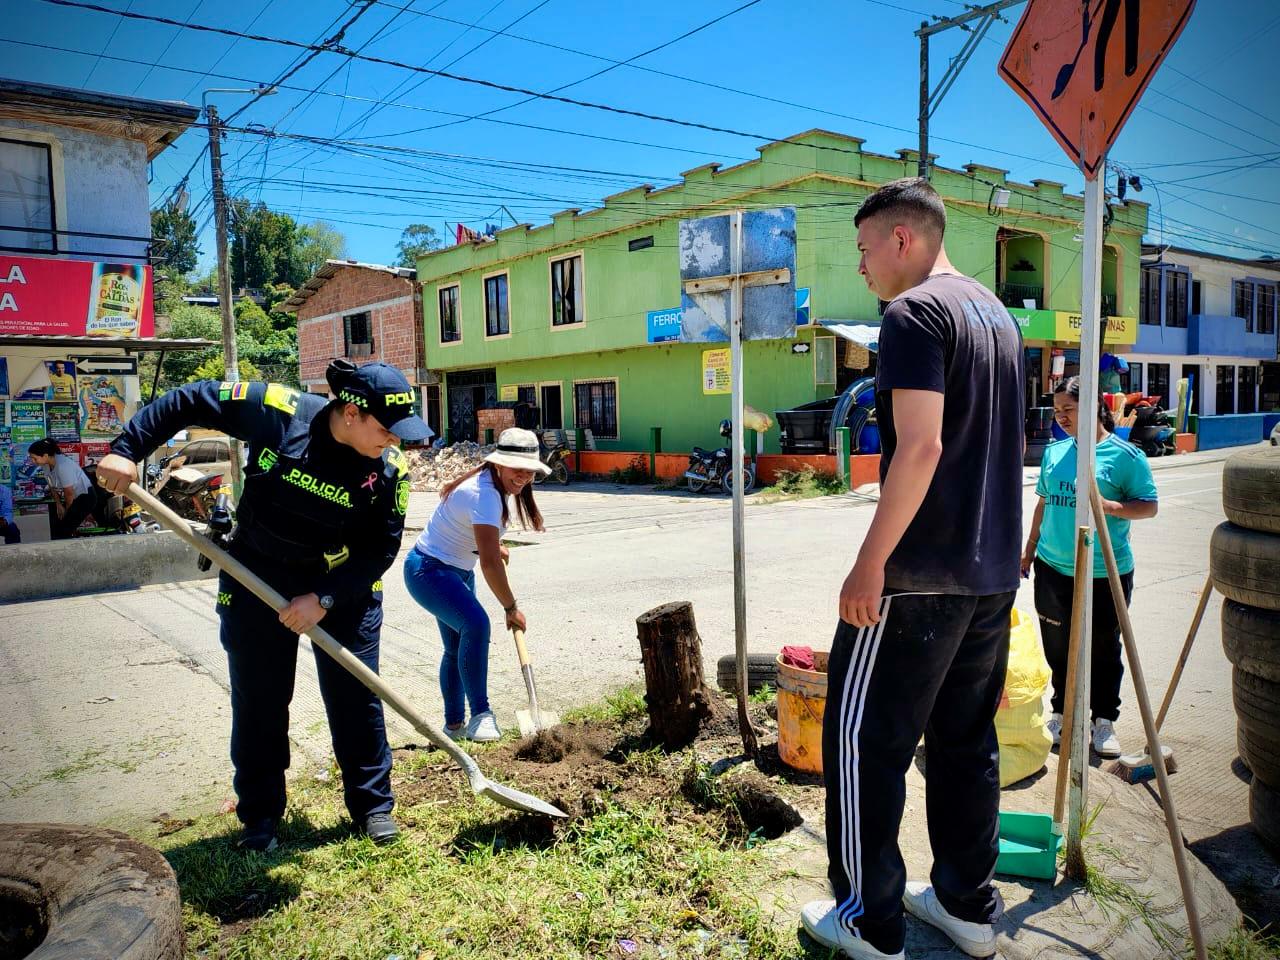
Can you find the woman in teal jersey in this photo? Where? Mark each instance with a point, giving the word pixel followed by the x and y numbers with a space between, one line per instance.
pixel 1128 493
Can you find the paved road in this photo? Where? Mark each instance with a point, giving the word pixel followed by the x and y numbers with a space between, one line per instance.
pixel 115 706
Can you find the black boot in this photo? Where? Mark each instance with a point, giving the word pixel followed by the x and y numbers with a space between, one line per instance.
pixel 259 836
pixel 379 827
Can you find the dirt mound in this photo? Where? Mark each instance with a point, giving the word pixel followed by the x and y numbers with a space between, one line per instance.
pixel 583 767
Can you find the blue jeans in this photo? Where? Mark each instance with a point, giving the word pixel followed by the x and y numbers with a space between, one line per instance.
pixel 450 595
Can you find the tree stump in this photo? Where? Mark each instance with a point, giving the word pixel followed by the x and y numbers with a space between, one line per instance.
pixel 677 697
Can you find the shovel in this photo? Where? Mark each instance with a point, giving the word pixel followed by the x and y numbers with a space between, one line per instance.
pixel 535 718
pixel 480 784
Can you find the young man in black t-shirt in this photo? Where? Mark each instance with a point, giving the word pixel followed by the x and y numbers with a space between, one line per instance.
pixel 923 639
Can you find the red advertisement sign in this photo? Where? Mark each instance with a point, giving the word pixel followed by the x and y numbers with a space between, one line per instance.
pixel 75 298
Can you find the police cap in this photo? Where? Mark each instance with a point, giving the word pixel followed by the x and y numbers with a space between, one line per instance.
pixel 381 390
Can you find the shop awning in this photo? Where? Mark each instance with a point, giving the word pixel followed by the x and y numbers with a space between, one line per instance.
pixel 863 334
pixel 91 344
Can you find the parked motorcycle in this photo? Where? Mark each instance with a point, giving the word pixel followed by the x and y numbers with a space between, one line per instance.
pixel 1153 431
pixel 554 453
pixel 710 467
pixel 188 492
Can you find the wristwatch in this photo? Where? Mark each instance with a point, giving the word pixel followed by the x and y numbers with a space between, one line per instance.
pixel 515 604
pixel 326 602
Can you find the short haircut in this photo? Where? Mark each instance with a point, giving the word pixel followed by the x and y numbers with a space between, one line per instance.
pixel 910 200
pixel 45 447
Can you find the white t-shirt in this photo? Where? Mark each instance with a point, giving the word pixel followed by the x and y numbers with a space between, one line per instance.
pixel 449 536
pixel 66 472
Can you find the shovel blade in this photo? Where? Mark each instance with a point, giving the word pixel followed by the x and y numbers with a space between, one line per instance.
pixel 529 726
pixel 519 800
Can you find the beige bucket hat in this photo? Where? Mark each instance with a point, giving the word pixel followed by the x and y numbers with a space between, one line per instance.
pixel 518 449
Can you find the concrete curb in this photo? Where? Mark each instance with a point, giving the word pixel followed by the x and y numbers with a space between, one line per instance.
pixel 39 571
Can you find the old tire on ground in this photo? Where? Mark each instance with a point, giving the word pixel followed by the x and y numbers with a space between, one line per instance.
pixel 1257 703
pixel 1261 756
pixel 762 669
pixel 1245 565
pixel 102 894
pixel 1264 811
pixel 1251 490
pixel 1251 639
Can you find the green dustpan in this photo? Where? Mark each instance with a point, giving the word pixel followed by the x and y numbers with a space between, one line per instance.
pixel 1029 844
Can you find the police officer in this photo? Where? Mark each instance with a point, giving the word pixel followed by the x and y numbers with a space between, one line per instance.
pixel 325 492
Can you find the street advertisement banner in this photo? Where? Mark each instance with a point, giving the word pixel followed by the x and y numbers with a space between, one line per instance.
pixel 6 458
pixel 102 404
pixel 41 296
pixel 62 422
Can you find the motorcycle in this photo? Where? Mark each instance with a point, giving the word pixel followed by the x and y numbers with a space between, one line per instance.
pixel 707 467
pixel 554 453
pixel 1153 431
pixel 187 491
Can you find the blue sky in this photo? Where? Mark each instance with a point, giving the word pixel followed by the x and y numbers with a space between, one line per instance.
pixel 1205 139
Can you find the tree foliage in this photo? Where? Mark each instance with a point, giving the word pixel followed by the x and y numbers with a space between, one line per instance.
pixel 416 240
pixel 173 239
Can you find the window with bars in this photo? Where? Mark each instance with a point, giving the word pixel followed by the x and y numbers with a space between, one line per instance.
pixel 450 328
pixel 1149 311
pixel 566 292
pixel 357 335
pixel 1265 308
pixel 1158 382
pixel 497 312
pixel 1244 303
pixel 1176 285
pixel 1226 393
pixel 595 407
pixel 26 196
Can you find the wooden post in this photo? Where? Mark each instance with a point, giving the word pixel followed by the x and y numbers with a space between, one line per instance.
pixel 678 698
pixel 1069 697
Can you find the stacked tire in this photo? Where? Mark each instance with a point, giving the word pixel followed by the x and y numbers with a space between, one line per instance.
pixel 1244 559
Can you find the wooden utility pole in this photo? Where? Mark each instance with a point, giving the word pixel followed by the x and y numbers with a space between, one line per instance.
pixel 230 356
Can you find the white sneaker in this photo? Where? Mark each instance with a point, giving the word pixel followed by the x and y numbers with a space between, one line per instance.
pixel 975 939
pixel 819 920
pixel 456 733
pixel 1054 726
pixel 483 728
pixel 1105 741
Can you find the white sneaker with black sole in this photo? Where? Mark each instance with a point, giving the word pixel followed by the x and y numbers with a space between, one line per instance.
pixel 1105 741
pixel 975 939
pixel 819 920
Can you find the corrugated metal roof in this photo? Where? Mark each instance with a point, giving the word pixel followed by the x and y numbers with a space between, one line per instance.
pixel 136 344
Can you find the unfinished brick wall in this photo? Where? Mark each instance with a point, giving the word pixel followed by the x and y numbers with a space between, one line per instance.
pixel 352 290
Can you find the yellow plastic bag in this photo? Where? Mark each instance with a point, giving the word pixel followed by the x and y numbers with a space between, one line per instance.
pixel 1024 741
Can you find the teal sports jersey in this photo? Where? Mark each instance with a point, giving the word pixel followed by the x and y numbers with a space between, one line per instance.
pixel 1123 474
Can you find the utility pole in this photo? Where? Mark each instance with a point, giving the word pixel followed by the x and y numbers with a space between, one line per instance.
pixel 231 358
pixel 987 15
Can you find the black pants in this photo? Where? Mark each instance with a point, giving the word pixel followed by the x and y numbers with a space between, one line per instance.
pixel 11 533
pixel 64 527
pixel 262 655
pixel 934 665
pixel 1054 597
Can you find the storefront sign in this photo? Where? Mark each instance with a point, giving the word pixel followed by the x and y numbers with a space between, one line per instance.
pixel 508 392
pixel 74 298
pixel 663 325
pixel 1119 329
pixel 1065 327
pixel 715 372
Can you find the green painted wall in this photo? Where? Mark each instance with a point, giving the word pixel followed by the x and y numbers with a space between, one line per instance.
pixel 825 176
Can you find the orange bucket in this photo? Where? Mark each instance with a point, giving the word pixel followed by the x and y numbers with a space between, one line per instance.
pixel 802 700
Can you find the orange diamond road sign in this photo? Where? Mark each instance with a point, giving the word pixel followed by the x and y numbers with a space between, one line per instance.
pixel 1082 65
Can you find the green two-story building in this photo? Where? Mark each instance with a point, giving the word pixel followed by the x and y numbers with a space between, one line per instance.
pixel 565 315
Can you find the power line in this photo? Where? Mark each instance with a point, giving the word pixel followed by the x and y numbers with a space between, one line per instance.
pixel 167 47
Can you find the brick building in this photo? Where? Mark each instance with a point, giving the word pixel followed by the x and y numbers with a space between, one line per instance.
pixel 363 312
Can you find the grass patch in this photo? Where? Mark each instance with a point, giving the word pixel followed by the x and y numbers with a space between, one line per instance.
pixel 1244 945
pixel 649 877
pixel 803 484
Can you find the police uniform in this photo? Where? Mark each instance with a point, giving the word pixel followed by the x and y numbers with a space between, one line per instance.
pixel 315 516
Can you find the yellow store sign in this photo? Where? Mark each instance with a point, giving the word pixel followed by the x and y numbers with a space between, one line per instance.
pixel 1120 330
